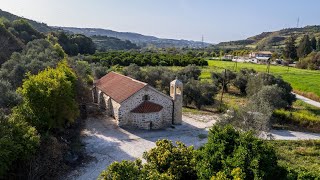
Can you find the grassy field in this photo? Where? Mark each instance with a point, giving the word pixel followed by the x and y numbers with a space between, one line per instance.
pixel 302 81
pixel 301 158
pixel 301 116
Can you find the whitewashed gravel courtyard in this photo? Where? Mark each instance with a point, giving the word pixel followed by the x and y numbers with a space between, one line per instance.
pixel 106 142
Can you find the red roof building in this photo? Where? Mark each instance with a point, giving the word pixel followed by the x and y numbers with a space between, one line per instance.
pixel 135 103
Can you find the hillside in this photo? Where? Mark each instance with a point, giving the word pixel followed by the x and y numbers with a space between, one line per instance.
pixel 41 27
pixel 272 40
pixel 139 39
pixel 105 43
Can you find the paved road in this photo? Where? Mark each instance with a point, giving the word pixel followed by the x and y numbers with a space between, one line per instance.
pixel 307 100
pixel 294 135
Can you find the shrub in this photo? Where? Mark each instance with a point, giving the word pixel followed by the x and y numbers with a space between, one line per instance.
pixel 242 78
pixel 165 161
pixel 125 170
pixel 228 149
pixel 199 93
pixel 49 98
pixel 175 161
pixel 18 141
pixel 256 83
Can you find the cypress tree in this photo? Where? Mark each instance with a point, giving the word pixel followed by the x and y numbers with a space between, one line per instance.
pixel 313 43
pixel 290 51
pixel 304 47
pixel 318 45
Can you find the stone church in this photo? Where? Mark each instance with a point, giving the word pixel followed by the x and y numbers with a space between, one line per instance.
pixel 136 104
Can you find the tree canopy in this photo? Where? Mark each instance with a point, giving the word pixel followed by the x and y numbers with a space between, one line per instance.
pixel 49 98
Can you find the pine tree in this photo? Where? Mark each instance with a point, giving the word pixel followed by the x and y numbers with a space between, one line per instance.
pixel 318 45
pixel 290 51
pixel 304 47
pixel 313 43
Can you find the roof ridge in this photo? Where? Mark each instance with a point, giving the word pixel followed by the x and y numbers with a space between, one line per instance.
pixel 129 78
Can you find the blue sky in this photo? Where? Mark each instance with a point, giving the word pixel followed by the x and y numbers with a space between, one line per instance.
pixel 216 20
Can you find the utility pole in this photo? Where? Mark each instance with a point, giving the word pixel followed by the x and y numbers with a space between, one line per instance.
pixel 268 66
pixel 202 40
pixel 298 20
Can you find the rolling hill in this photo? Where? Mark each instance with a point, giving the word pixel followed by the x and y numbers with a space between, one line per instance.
pixel 272 40
pixel 139 39
pixel 41 27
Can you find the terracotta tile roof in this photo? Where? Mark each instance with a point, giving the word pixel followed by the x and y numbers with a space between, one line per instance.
pixel 119 87
pixel 147 107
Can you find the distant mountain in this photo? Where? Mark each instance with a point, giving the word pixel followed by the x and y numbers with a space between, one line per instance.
pixel 272 40
pixel 139 39
pixel 41 27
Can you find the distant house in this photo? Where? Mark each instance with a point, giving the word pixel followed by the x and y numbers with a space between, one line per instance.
pixel 260 57
pixel 260 54
pixel 228 56
pixel 137 104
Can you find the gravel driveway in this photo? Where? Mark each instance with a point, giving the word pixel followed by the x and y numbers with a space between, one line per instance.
pixel 106 142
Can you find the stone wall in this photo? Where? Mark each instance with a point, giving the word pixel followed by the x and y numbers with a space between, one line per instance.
pixel 147 120
pixel 125 115
pixel 111 106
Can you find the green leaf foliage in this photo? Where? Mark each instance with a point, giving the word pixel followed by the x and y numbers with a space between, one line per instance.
pixel 176 161
pixel 228 149
pixel 49 98
pixel 18 141
pixel 125 58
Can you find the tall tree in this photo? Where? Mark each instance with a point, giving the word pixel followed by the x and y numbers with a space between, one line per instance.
pixel 313 43
pixel 304 47
pixel 318 45
pixel 49 98
pixel 290 51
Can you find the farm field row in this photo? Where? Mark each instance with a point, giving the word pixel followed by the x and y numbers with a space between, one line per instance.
pixel 304 82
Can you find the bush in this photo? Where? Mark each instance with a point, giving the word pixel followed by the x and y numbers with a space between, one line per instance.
pixel 175 161
pixel 256 83
pixel 49 98
pixel 242 78
pixel 302 118
pixel 9 98
pixel 125 170
pixel 18 141
pixel 165 161
pixel 228 149
pixel 199 93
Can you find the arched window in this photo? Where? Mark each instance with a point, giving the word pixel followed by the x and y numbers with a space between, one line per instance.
pixel 146 98
pixel 178 90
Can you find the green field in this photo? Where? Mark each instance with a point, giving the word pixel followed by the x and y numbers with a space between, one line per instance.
pixel 299 157
pixel 306 81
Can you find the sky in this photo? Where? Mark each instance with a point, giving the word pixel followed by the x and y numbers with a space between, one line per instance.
pixel 215 20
